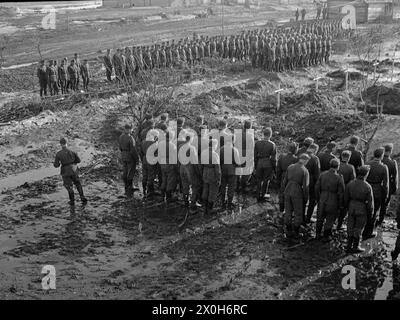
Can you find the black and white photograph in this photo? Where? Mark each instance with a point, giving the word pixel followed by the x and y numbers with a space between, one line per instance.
pixel 207 153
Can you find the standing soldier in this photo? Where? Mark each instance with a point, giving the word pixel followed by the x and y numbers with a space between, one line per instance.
pixel 72 74
pixel 307 142
pixel 395 253
pixel 326 156
pixel 297 14
pixel 328 49
pixel 296 183
pixel 78 66
pixel 211 175
pixel 358 199
pixel 167 156
pixel 129 158
pixel 356 158
pixel 163 56
pixel 349 174
pixel 117 63
pixel 63 76
pixel 284 161
pixel 279 56
pixel 303 14
pixel 329 192
pixel 265 163
pixel 229 158
pixel 378 178
pixel 43 78
pixel 85 73
pixel 314 169
pixel 52 76
pixel 68 161
pixel 108 64
pixel 148 170
pixel 393 179
pixel 254 50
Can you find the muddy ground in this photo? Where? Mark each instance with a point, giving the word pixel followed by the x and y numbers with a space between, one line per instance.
pixel 115 248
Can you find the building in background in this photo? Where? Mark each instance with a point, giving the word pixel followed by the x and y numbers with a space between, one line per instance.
pixel 366 10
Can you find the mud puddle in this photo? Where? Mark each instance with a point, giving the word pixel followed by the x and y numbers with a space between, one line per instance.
pixel 85 151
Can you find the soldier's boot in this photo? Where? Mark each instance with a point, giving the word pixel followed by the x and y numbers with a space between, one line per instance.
pixel 349 247
pixel 81 194
pixel 356 246
pixel 395 253
pixel 71 196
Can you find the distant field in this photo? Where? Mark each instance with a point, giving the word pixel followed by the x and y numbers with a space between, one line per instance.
pixel 43 3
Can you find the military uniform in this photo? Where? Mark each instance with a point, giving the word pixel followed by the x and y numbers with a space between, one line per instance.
pixel 314 169
pixel 393 182
pixel 229 157
pixel 43 80
pixel 325 159
pixel 265 164
pixel 348 173
pixel 148 170
pixel 359 202
pixel 52 78
pixel 329 192
pixel 284 161
pixel 69 171
pixel 296 183
pixel 378 178
pixel 109 66
pixel 211 174
pixel 356 158
pixel 129 159
pixel 167 155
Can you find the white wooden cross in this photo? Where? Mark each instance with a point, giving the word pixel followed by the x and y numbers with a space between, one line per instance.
pixel 317 82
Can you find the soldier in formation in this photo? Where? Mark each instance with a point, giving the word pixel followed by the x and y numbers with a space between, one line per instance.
pixel 278 49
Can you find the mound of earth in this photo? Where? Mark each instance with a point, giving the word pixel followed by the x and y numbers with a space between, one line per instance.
pixel 389 97
pixel 316 102
pixel 353 75
pixel 326 127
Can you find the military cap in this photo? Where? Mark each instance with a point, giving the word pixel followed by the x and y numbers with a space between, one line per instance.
pixel 379 152
pixel 334 163
pixel 308 141
pixel 363 170
pixel 128 126
pixel 388 147
pixel 63 141
pixel 330 145
pixel 354 140
pixel 163 127
pixel 346 154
